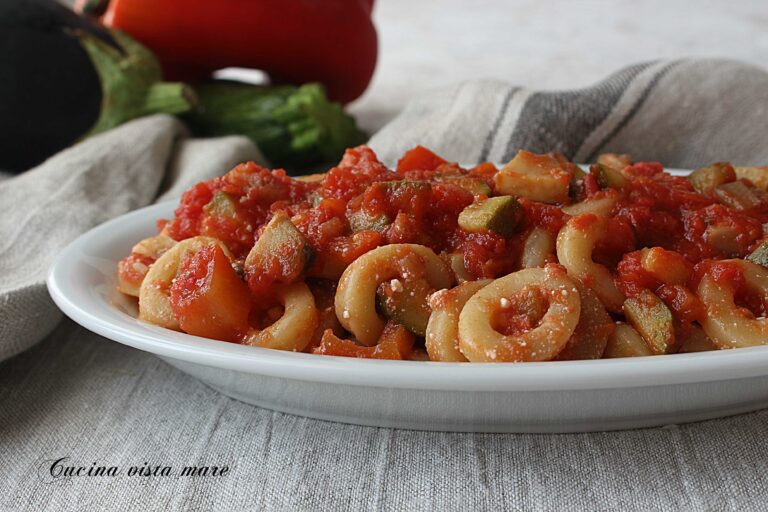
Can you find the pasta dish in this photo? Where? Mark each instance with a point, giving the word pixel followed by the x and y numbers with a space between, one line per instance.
pixel 539 260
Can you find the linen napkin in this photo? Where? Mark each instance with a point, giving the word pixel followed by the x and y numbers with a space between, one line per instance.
pixel 78 395
pixel 47 207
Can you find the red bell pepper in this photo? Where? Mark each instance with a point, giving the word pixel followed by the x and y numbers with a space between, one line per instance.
pixel 328 41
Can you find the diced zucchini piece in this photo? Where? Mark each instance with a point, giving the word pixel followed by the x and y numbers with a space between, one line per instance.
pixel 614 160
pixel 760 255
pixel 608 177
pixel 543 178
pixel 283 245
pixel 473 185
pixel 653 320
pixel 406 302
pixel 568 166
pixel 456 262
pixel 498 214
pixel 757 175
pixel 361 220
pixel 626 342
pixel 222 205
pixel 591 334
pixel 737 195
pixel 706 179
pixel 724 238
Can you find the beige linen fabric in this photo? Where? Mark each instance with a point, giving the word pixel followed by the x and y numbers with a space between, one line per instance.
pixel 46 208
pixel 80 396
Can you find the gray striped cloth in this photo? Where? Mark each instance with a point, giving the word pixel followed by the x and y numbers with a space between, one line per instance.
pixel 685 114
pixel 80 396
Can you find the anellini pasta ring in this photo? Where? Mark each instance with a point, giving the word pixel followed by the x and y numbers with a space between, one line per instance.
pixel 727 324
pixel 478 339
pixel 356 294
pixel 154 303
pixel 575 243
pixel 294 329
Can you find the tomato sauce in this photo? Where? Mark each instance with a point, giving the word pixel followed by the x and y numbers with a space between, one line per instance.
pixel 252 190
pixel 654 209
pixel 419 159
pixel 133 268
pixel 521 312
pixel 683 303
pixel 545 216
pixel 361 204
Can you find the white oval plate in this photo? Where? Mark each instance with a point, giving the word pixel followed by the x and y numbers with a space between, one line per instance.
pixel 562 396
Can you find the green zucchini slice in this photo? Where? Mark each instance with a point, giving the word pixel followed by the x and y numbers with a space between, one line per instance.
pixel 406 302
pixel 653 320
pixel 498 214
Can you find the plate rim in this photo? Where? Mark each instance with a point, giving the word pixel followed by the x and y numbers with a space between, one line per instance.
pixel 495 377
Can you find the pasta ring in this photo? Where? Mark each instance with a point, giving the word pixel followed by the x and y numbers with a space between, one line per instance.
pixel 575 243
pixel 539 246
pixel 479 341
pixel 152 248
pixel 726 324
pixel 626 342
pixel 355 299
pixel 294 330
pixel 602 206
pixel 154 303
pixel 591 334
pixel 442 339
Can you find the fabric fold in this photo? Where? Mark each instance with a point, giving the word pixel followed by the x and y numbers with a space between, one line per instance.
pixel 684 113
pixel 49 206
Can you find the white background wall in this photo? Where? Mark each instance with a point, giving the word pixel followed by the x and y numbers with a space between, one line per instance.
pixel 546 43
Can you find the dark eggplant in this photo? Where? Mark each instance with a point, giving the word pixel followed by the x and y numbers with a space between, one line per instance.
pixel 63 77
